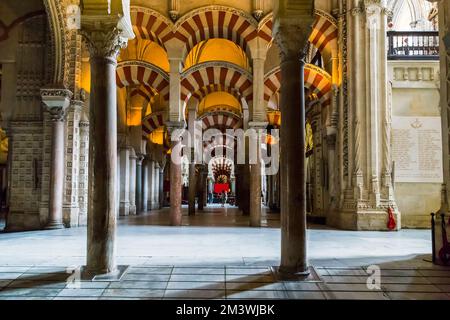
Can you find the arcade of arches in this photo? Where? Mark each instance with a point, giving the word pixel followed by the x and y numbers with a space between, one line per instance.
pixel 93 93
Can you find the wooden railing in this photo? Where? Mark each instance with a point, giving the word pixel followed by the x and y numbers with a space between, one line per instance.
pixel 407 45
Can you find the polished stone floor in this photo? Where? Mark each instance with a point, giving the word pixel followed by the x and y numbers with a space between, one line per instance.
pixel 216 256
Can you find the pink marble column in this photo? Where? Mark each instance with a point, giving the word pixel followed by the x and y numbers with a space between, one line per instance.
pixel 56 101
pixel 104 43
pixel 175 174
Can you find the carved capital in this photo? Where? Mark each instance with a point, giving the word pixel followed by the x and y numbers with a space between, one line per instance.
pixel 104 43
pixel 292 39
pixel 56 101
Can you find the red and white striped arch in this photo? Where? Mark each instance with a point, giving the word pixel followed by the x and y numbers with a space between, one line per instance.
pixel 155 80
pixel 196 80
pixel 324 33
pixel 220 121
pixel 152 122
pixel 151 25
pixel 317 81
pixel 216 22
pixel 323 36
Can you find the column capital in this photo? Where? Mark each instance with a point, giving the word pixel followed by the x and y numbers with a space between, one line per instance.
pixel 139 158
pixel 292 39
pixel 56 101
pixel 105 34
pixel 258 125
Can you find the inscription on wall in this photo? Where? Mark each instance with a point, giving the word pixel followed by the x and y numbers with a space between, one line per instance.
pixel 417 149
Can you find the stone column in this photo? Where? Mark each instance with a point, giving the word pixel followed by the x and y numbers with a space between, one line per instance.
pixel 132 195
pixel 291 37
pixel 155 185
pixel 175 173
pixel 145 185
pixel 104 42
pixel 192 189
pixel 203 188
pixel 161 187
pixel 139 159
pixel 255 177
pixel 124 205
pixel 151 184
pixel 56 101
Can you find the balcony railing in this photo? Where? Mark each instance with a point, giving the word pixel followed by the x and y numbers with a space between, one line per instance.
pixel 406 45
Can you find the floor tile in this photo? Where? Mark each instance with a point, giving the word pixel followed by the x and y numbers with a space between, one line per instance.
pixel 301 286
pixel 249 278
pixel 256 294
pixel 9 275
pixel 125 284
pixel 410 288
pixel 81 292
pixel 133 293
pixel 146 277
pixel 417 296
pixel 199 277
pixel 37 284
pixel 355 295
pixel 249 271
pixel 244 286
pixel 195 294
pixel 151 270
pixel 305 295
pixel 23 292
pixel 195 271
pixel 196 285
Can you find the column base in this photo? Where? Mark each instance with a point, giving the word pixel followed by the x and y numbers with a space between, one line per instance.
pixel 52 225
pixel 100 275
pixel 295 274
pixel 132 210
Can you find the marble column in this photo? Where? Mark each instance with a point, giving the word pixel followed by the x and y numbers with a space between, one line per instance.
pixel 145 185
pixel 151 184
pixel 255 178
pixel 132 195
pixel 139 159
pixel 155 186
pixel 291 38
pixel 124 204
pixel 192 189
pixel 161 187
pixel 175 173
pixel 104 42
pixel 203 188
pixel 57 101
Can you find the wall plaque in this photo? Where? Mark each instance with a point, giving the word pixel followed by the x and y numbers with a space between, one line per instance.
pixel 417 149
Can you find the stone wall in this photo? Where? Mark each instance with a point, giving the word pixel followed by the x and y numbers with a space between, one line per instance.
pixel 415 93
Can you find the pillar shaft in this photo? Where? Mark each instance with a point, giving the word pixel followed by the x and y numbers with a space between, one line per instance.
pixel 56 176
pixel 124 204
pixel 139 183
pixel 161 188
pixel 145 186
pixel 192 189
pixel 293 175
pixel 255 191
pixel 175 173
pixel 57 101
pixel 104 42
